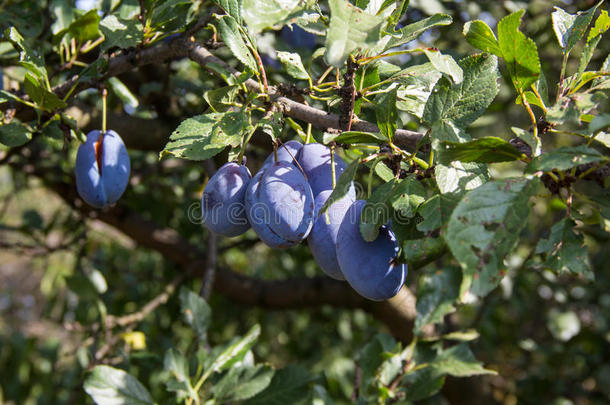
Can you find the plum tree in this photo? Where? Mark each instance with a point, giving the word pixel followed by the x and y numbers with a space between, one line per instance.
pixel 287 152
pixel 222 201
pixel 369 267
pixel 315 160
pixel 102 168
pixel 280 205
pixel 323 237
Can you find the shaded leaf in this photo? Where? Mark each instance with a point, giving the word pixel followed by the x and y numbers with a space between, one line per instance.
pixel 459 361
pixel 570 28
pixel 120 32
pixel 414 30
pixel 488 149
pixel 343 185
pixel 445 64
pixel 111 386
pixel 386 113
pixel 177 365
pixel 436 211
pixel 436 294
pixel 196 311
pixel 288 386
pixel 564 158
pixel 261 14
pixel 14 134
pixel 376 211
pixel 241 383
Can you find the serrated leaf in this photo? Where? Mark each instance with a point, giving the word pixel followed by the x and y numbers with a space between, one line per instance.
pixel 414 30
pixel 288 386
pixel 261 14
pixel 445 64
pixel 31 59
pixel 236 350
pixel 376 211
pixel 343 185
pixel 231 36
pixel 458 176
pixel 485 226
pixel 436 211
pixel 177 365
pixel 436 295
pixel 202 136
pixel 519 52
pixel 350 137
pixel 565 250
pixel 220 99
pixel 386 113
pixel 293 65
pixel 407 196
pixel 14 134
pixel 232 8
pixel 350 29
pixel 459 361
pixel 479 35
pixel 196 311
pixel 120 33
pixel 241 383
pixel 564 158
pixel 111 386
pixel 570 28
pixel 170 15
pixel 464 102
pixel 487 149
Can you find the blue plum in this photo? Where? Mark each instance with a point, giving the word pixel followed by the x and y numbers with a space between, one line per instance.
pixel 102 168
pixel 315 160
pixel 280 205
pixel 297 37
pixel 369 267
pixel 323 237
pixel 285 153
pixel 222 202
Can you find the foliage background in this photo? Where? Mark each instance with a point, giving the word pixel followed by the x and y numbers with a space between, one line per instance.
pixel 546 335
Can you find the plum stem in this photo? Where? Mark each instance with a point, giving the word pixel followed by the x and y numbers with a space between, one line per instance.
pixel 332 165
pixel 104 108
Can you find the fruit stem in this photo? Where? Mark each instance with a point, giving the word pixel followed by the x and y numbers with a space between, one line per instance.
pixel 104 108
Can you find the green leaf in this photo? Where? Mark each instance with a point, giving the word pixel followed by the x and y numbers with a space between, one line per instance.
pixel 293 65
pixel 418 252
pixel 422 384
pixel 565 250
pixel 436 211
pixel 261 14
pixel 241 383
pixel 375 212
pixel 349 137
pixel 479 35
pixel 236 350
pixel 600 122
pixel 108 385
pixel 570 28
pixel 445 64
pixel 230 34
pixel 30 59
pixel 232 8
pixel 201 137
pixel 122 91
pixel 120 33
pixel 85 27
pixel 40 95
pixel 564 158
pixel 464 102
pixel 370 358
pixel 484 228
pixel 350 29
pixel 196 312
pixel 386 113
pixel 414 30
pixel 488 149
pixel 519 52
pixel 177 365
pixel 459 361
pixel 170 15
pixel 459 176
pixel 14 134
pixel 416 85
pixel 288 386
pixel 407 196
pixel 343 185
pixel 220 99
pixel 529 139
pixel 436 294
pixel 602 24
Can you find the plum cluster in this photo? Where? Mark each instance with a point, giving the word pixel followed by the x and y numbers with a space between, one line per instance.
pixel 281 203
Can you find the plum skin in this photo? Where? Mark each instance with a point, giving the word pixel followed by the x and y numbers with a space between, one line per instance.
pixel 222 202
pixel 280 205
pixel 323 236
pixel 102 168
pixel 369 267
pixel 315 160
pixel 285 153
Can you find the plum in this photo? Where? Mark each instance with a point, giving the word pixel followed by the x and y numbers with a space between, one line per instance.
pixel 297 37
pixel 280 205
pixel 222 202
pixel 323 237
pixel 285 153
pixel 315 160
pixel 369 267
pixel 102 168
